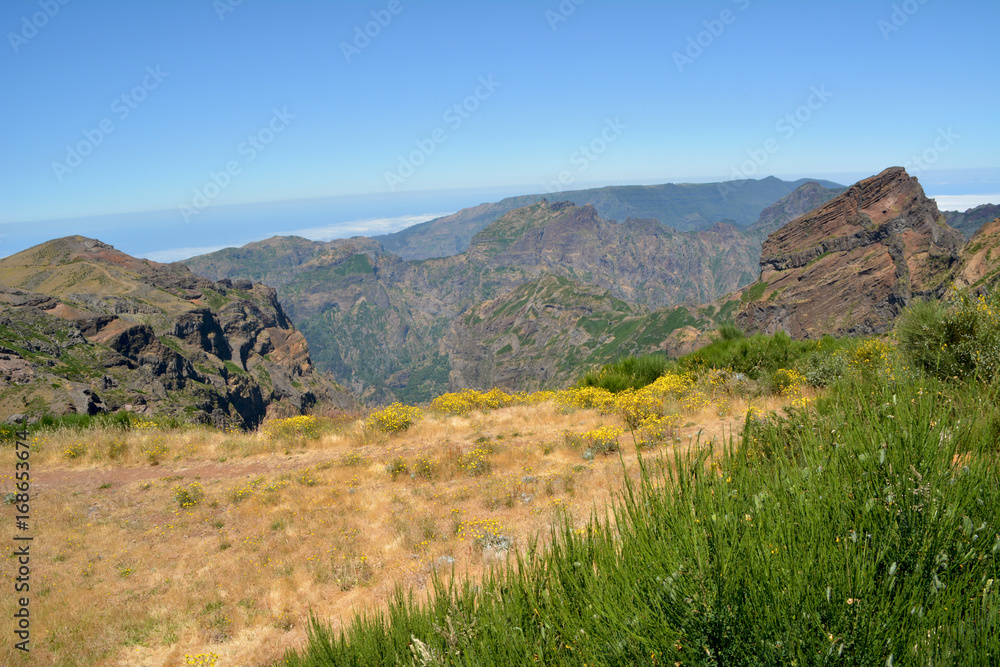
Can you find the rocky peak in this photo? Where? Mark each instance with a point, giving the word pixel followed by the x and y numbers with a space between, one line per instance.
pixel 850 265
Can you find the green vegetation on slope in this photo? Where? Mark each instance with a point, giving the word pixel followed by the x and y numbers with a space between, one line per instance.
pixel 842 536
pixel 861 531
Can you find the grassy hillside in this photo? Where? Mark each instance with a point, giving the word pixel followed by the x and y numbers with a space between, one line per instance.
pixel 856 530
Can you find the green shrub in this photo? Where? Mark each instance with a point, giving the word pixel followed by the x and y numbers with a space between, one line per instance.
pixel 627 373
pixel 957 339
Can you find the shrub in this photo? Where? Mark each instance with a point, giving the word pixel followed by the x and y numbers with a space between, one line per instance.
pixel 603 440
pixel 396 467
pixel 300 427
pixel 188 496
pixel 467 400
pixel 628 373
pixel 634 407
pixel 823 366
pixel 786 382
pixel 956 339
pixel 424 467
pixel 393 418
pixel 476 463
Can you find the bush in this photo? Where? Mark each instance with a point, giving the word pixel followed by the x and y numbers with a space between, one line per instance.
pixel 960 338
pixel 393 418
pixel 757 356
pixel 188 496
pixel 293 428
pixel 396 467
pixel 603 440
pixel 628 373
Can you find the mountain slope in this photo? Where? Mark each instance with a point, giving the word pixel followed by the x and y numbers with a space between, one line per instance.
pixel 682 206
pixel 851 265
pixel 91 329
pixel 969 221
pixel 980 266
pixel 543 332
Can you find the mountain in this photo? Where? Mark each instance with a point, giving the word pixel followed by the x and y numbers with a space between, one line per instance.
pixel 543 332
pixel 85 328
pixel 390 329
pixel 849 266
pixel 972 219
pixel 980 266
pixel 682 206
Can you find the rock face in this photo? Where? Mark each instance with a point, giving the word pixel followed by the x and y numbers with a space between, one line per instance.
pixel 980 267
pixel 849 266
pixel 86 328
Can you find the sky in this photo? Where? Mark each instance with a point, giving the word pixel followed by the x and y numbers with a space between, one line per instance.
pixel 193 123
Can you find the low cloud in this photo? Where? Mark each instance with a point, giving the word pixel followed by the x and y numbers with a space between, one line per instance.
pixel 964 202
pixel 365 227
pixel 337 230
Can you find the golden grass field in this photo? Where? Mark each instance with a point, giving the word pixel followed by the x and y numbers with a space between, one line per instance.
pixel 194 546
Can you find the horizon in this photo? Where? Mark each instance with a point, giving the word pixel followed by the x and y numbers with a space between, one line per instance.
pixel 380 115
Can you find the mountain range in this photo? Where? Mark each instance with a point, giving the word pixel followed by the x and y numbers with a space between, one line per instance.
pixel 522 294
pixel 390 328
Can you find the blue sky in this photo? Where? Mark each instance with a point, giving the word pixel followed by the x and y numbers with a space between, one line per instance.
pixel 117 107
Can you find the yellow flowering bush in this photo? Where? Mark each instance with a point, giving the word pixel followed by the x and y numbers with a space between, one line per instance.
pixel 476 463
pixel 635 406
pixel 673 385
pixel 75 450
pixel 393 418
pixel 587 397
pixel 188 496
pixel 602 440
pixel 467 400
pixel 787 382
pixel 292 428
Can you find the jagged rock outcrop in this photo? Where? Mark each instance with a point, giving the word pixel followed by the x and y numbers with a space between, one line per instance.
pixel 851 265
pixel 86 328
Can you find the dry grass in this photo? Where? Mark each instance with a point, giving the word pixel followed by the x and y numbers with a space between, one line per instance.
pixel 123 575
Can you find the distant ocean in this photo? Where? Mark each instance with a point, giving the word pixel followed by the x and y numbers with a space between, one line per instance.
pixel 165 236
